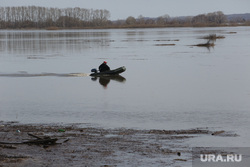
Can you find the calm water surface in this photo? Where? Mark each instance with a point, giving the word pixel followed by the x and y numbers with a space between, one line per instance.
pixel 166 87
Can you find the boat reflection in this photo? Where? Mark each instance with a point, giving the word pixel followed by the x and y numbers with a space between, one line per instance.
pixel 105 80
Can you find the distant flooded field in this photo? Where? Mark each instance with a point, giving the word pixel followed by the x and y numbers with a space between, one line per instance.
pixel 169 82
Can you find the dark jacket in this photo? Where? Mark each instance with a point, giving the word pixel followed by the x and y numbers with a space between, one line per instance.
pixel 104 67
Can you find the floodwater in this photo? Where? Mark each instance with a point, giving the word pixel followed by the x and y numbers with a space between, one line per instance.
pixel 176 86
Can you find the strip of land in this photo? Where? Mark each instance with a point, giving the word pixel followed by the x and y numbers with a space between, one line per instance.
pixel 85 145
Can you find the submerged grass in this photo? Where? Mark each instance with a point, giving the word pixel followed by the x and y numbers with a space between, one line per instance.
pixel 164 44
pixel 207 44
pixel 213 37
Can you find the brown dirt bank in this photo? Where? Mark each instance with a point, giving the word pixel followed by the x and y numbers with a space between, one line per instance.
pixel 83 145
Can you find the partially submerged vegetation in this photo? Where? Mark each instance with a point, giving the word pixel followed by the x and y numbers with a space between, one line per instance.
pixel 213 37
pixel 172 44
pixel 208 44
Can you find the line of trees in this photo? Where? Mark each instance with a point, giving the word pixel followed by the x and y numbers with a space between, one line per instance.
pixel 210 19
pixel 43 17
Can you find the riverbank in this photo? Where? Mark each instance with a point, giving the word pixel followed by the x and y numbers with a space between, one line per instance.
pixel 84 145
pixel 139 26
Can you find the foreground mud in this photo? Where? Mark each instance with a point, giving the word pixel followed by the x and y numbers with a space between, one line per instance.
pixel 82 145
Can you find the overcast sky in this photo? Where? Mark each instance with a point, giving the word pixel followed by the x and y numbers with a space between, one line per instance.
pixel 121 9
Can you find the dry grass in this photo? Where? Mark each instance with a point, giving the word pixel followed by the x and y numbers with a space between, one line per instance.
pixel 53 28
pixel 164 44
pixel 207 44
pixel 213 37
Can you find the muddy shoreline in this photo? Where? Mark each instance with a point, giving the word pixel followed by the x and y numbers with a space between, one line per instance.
pixel 83 145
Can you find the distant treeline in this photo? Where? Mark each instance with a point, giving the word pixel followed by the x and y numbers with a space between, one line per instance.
pixel 56 18
pixel 211 18
pixel 202 20
pixel 42 17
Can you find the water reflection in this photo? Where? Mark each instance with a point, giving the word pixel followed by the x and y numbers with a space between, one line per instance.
pixel 105 80
pixel 22 42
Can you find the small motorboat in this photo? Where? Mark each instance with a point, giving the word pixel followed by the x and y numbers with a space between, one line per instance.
pixel 116 71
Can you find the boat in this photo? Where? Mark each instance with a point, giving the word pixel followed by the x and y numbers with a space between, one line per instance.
pixel 116 71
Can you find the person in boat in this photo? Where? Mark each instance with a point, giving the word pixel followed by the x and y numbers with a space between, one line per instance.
pixel 104 67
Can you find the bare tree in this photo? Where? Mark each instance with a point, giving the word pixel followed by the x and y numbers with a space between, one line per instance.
pixel 160 21
pixel 41 17
pixel 141 19
pixel 130 20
